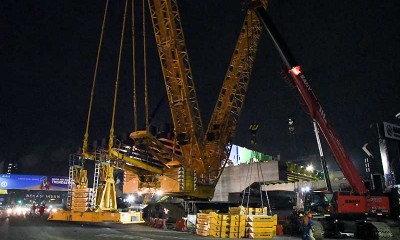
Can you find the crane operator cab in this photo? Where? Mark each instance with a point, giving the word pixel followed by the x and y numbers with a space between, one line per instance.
pixel 319 203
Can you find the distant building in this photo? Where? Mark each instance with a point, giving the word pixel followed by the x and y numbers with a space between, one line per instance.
pixel 11 168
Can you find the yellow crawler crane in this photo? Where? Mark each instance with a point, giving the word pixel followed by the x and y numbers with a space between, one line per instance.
pixel 193 171
pixel 192 164
pixel 202 157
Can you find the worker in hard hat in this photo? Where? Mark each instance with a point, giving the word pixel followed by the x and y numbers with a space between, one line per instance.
pixel 299 223
pixel 306 224
pixel 33 209
pixel 309 215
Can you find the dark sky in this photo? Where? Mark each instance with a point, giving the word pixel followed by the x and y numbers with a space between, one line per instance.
pixel 349 50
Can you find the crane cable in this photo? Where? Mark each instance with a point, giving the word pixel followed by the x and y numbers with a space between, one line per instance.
pixel 248 177
pixel 254 154
pixel 249 171
pixel 111 139
pixel 86 136
pixel 134 68
pixel 258 154
pixel 145 65
pixel 266 192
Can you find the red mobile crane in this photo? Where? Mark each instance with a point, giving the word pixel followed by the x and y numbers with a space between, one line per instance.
pixel 360 202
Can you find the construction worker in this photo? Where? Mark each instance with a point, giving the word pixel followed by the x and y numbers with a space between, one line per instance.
pixel 300 223
pixel 306 224
pixel 33 209
pixel 41 208
pixel 309 215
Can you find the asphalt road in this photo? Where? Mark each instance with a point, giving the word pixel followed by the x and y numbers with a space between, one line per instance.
pixel 37 228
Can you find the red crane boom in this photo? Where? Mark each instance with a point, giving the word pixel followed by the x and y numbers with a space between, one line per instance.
pixel 314 108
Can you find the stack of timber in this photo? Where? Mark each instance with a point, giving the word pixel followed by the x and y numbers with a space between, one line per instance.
pixel 240 222
pixel 237 226
pixel 80 201
pixel 221 225
pixel 261 226
pixel 203 224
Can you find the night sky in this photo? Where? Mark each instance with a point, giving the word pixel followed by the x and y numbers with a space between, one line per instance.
pixel 349 50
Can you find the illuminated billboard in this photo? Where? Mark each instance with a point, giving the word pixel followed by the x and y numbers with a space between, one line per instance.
pixel 33 182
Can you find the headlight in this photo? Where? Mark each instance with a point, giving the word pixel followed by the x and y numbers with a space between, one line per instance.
pixel 9 211
pixel 18 210
pixel 130 198
pixel 159 192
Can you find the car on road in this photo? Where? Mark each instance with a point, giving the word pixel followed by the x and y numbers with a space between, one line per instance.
pixel 17 210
